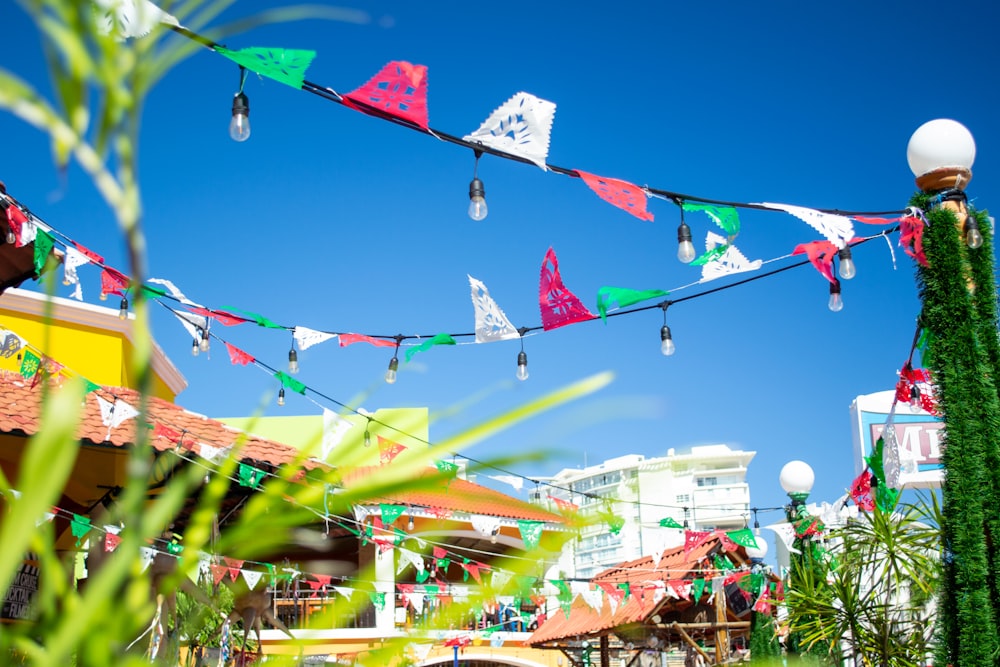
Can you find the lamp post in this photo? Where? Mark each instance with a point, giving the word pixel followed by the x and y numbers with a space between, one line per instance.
pixel 797 478
pixel 959 312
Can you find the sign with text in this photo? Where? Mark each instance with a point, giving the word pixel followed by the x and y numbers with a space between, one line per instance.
pixel 919 434
pixel 17 600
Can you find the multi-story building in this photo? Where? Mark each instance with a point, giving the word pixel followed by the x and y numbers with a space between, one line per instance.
pixel 704 489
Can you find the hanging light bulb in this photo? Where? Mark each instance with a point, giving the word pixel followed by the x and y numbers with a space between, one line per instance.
pixel 846 270
pixel 409 524
pixel 522 366
pixel 915 399
pixel 973 237
pixel 123 309
pixel 477 194
pixel 667 346
pixel 493 535
pixel 390 373
pixel 836 303
pixel 368 435
pixel 293 361
pixel 281 396
pixel 204 342
pixel 685 248
pixel 195 347
pixel 239 126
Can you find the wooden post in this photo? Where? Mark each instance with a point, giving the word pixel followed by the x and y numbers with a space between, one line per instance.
pixel 722 632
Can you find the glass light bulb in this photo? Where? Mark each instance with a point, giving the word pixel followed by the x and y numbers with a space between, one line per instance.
pixel 239 125
pixel 409 524
pixel 477 208
pixel 847 270
pixel 477 200
pixel 390 374
pixel 915 400
pixel 522 366
pixel 493 538
pixel 836 303
pixel 123 310
pixel 667 346
pixel 293 362
pixel 368 438
pixel 195 348
pixel 685 252
pixel 281 396
pixel 203 345
pixel 11 239
pixel 973 238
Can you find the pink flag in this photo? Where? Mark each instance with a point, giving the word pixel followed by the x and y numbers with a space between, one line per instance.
pixel 113 282
pixel 692 538
pixel 629 198
pixel 237 356
pixel 820 253
pixel 559 306
pixel 399 90
pixel 388 450
pixel 861 491
pixel 221 316
pixel 349 338
pixel 111 542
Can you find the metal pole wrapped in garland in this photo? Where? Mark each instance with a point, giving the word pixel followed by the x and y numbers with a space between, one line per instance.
pixel 959 314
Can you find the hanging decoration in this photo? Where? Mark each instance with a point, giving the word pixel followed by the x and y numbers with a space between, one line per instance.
pixel 351 338
pixel 623 298
pixel 113 414
pixel 249 476
pixel 11 344
pixel 390 512
pixel 861 491
pixel 558 305
pixel 439 339
pixel 237 356
pixel 399 90
pixel 726 217
pixel 43 248
pixel 72 260
pixel 724 262
pixel 491 322
pixel 531 533
pixel 624 195
pixel 287 66
pixel 837 229
pixel 129 18
pixel 820 254
pixel 113 282
pixel 79 527
pixel 694 538
pixel 111 541
pixel 29 364
pixel 290 382
pixel 220 316
pixel 306 338
pixel 744 538
pixel 519 127
pixel 388 450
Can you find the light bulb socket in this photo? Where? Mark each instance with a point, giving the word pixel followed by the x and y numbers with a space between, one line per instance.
pixel 241 104
pixel 522 358
pixel 665 333
pixel 476 189
pixel 394 364
pixel 835 287
pixel 683 233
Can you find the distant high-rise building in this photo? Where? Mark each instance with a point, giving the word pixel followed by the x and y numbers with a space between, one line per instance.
pixel 704 489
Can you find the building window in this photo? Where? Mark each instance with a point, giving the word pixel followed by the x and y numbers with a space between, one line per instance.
pixel 708 481
pixel 684 498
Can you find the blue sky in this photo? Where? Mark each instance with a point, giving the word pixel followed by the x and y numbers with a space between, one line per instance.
pixel 332 220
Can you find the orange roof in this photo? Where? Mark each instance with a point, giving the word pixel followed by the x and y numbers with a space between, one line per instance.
pixel 640 574
pixel 20 407
pixel 458 495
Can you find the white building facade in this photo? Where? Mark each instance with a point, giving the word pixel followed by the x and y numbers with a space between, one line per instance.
pixel 704 489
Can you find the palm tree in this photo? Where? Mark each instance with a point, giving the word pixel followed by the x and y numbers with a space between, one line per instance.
pixel 874 606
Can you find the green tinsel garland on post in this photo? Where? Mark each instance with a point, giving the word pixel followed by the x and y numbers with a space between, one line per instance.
pixel 959 312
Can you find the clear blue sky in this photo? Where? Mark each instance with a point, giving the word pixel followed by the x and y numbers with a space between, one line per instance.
pixel 332 220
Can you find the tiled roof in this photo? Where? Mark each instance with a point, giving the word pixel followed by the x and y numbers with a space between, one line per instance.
pixel 458 495
pixel 584 621
pixel 20 407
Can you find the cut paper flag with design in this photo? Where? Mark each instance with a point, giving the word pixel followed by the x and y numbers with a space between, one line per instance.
pixel 558 305
pixel 723 259
pixel 491 322
pixel 287 66
pixel 237 356
pixel 398 90
pixel 335 428
pixel 439 339
pixel 726 217
pixel 73 260
pixel 785 533
pixel 861 491
pixel 484 525
pixel 290 382
pixel 623 297
pixel 388 450
pixel 519 127
pixel 113 414
pixel 670 522
pixel 626 196
pixel 531 533
pixel 516 482
pixel 890 452
pixel 129 18
pixel 44 243
pixel 820 253
pixel 306 338
pixel 837 229
pixel 195 325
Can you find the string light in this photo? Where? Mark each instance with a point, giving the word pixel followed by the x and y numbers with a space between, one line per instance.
pixel 281 396
pixel 203 344
pixel 239 125
pixel 914 399
pixel 368 435
pixel 123 309
pixel 409 524
pixel 390 374
pixel 685 248
pixel 836 303
pixel 493 535
pixel 522 358
pixel 973 237
pixel 477 193
pixel 293 359
pixel 667 346
pixel 195 347
pixel 846 268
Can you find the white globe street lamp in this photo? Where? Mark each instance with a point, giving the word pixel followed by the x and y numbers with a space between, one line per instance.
pixel 797 479
pixel 940 154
